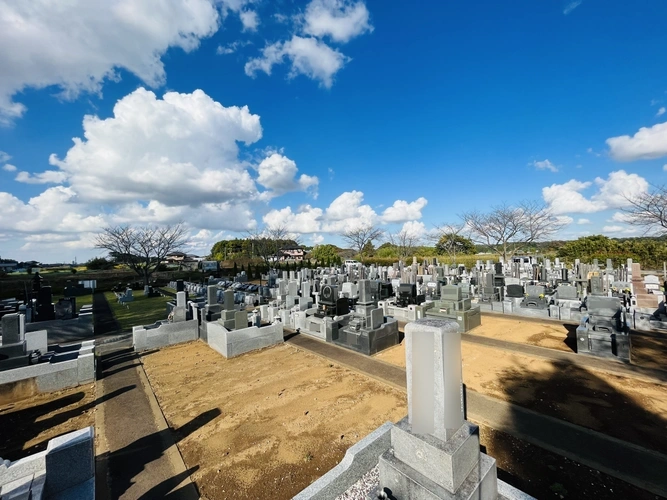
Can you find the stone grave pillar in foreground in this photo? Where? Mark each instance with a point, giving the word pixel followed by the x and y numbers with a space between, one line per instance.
pixel 435 452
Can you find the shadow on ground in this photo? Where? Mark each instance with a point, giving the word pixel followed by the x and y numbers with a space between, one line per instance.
pixel 24 425
pixel 594 404
pixel 126 463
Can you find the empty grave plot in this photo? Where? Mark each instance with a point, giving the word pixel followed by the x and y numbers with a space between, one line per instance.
pixel 27 425
pixel 624 407
pixel 286 416
pixel 541 334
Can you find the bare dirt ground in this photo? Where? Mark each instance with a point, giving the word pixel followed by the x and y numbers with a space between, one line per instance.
pixel 286 416
pixel 650 352
pixel 27 425
pixel 622 407
pixel 550 335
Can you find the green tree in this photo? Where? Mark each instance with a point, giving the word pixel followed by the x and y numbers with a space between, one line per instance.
pixel 324 252
pixel 98 263
pixel 369 249
pixel 456 244
pixel 235 271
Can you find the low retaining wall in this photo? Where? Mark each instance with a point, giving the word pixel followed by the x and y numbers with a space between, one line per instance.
pixel 231 343
pixel 361 458
pixel 164 334
pixel 26 381
pixel 65 470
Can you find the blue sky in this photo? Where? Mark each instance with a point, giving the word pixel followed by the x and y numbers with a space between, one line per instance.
pixel 402 115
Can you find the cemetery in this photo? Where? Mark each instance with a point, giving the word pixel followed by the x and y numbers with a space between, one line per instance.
pixel 580 343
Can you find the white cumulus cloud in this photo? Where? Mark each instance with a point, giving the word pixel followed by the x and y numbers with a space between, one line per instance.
pixel 647 144
pixel 612 192
pixel 414 229
pixel 341 20
pixel 307 56
pixel 249 19
pixel 661 111
pixel 48 177
pixel 583 221
pixel 178 150
pixel 278 173
pixel 4 157
pixel 402 210
pixel 78 44
pixel 9 167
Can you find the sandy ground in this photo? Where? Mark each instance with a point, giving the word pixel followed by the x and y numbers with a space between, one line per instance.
pixel 550 335
pixel 286 416
pixel 26 426
pixel 629 409
pixel 650 352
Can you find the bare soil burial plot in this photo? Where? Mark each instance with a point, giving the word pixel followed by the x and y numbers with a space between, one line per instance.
pixel 27 425
pixel 629 409
pixel 547 334
pixel 287 416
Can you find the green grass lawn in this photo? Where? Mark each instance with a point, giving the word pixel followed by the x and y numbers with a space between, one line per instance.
pixel 141 311
pixel 169 289
pixel 81 301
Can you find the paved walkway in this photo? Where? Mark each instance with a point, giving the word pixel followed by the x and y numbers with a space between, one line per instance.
pixel 628 462
pixel 137 455
pixel 103 318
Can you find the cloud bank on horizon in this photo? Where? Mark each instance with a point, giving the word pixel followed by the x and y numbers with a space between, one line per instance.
pixel 170 149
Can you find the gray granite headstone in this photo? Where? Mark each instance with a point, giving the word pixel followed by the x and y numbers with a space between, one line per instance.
pixel 11 329
pixel 229 300
pixel 451 292
pixel 377 318
pixel 365 296
pixel 240 320
pixel 211 295
pixel 433 368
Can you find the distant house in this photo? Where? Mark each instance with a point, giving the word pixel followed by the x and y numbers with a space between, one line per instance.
pixel 187 260
pixel 291 253
pixel 9 267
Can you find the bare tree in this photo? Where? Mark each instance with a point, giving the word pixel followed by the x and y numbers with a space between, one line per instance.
pixel 405 242
pixel 143 248
pixel 358 238
pixel 649 210
pixel 267 243
pixel 508 230
pixel 447 238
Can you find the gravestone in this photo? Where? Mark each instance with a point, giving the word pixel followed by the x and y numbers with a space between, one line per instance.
pixel 365 295
pixel 211 295
pixel 567 292
pixel 435 453
pixel 377 318
pixel 11 329
pixel 64 309
pixel 240 320
pixel 515 291
pixel 229 300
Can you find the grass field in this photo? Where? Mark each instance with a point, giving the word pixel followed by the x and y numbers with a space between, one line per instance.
pixel 141 311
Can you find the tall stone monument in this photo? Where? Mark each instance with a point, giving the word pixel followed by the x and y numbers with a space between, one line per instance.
pixel 435 453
